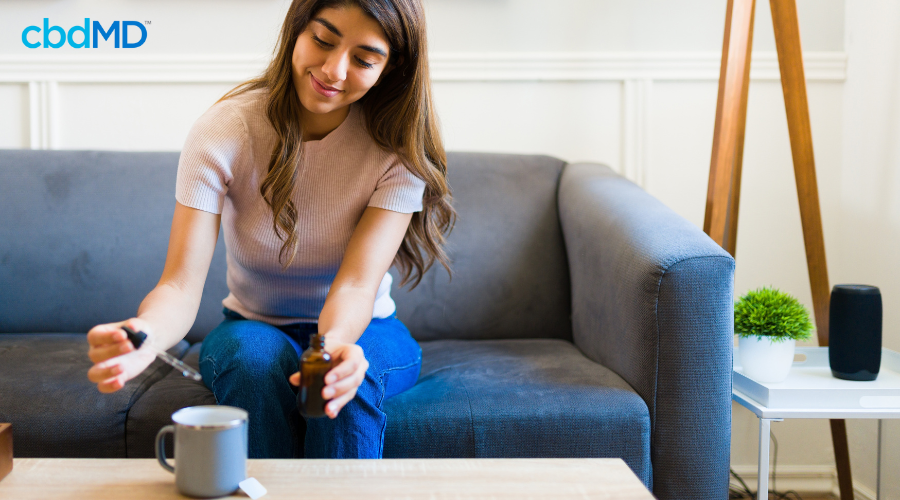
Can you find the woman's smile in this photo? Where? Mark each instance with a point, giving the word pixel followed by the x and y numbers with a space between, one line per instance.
pixel 321 88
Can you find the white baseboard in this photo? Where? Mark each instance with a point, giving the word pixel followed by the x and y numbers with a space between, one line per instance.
pixel 804 479
pixel 862 492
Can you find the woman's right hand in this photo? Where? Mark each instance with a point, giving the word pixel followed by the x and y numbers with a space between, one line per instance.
pixel 115 359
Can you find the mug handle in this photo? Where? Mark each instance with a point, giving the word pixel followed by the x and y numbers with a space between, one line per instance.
pixel 161 447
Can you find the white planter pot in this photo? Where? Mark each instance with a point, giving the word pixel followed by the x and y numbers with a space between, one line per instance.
pixel 764 360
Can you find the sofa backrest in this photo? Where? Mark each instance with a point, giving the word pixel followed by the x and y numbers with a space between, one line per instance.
pixel 83 238
pixel 510 272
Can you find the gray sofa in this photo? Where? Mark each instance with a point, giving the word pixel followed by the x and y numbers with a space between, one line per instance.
pixel 584 318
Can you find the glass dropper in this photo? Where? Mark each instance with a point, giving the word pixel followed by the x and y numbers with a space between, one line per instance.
pixel 137 340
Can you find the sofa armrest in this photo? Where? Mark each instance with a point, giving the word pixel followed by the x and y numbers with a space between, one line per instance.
pixel 652 299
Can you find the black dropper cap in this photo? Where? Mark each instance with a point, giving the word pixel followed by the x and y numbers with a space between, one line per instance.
pixel 136 338
pixel 317 341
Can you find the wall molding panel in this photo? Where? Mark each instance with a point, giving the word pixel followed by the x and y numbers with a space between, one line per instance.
pixel 605 66
pixel 43 97
pixel 636 100
pixel 497 66
pixel 637 72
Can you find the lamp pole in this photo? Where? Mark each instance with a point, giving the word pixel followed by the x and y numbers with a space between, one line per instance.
pixel 723 191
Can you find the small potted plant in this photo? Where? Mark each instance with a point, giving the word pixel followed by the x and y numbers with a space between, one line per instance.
pixel 768 323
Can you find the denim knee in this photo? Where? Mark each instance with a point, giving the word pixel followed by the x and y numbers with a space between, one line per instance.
pixel 395 358
pixel 247 364
pixel 246 353
pixel 358 431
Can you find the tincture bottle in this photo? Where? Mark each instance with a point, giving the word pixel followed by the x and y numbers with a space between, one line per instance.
pixel 314 364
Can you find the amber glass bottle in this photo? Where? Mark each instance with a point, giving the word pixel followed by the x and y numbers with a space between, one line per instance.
pixel 314 364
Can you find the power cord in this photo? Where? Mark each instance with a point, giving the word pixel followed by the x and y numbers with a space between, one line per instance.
pixel 744 493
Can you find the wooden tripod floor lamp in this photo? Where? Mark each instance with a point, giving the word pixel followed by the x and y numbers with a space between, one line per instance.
pixel 723 193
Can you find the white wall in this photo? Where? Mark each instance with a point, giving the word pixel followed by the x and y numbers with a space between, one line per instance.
pixel 628 83
pixel 869 194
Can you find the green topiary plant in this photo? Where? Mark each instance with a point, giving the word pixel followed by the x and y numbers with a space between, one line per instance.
pixel 768 312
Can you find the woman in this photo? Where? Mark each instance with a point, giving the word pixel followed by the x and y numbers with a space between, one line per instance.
pixel 322 172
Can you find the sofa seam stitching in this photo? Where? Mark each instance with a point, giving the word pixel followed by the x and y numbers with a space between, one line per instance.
pixel 384 393
pixel 471 417
pixel 140 391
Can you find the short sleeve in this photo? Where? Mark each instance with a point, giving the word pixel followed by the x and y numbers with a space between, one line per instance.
pixel 217 142
pixel 398 190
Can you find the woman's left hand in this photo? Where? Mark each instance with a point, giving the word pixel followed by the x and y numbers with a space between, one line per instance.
pixel 349 367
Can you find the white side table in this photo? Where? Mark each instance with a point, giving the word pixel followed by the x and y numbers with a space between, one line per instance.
pixel 811 392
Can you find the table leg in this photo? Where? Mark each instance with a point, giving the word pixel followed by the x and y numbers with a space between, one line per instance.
pixel 878 466
pixel 762 490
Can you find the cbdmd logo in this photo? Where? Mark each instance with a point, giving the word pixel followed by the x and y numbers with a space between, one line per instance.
pixel 85 37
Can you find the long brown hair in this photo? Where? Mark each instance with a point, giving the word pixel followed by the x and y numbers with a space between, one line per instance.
pixel 400 117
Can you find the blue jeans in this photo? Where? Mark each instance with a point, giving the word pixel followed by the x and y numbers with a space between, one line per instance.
pixel 247 364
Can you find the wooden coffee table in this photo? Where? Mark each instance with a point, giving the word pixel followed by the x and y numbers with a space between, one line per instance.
pixel 433 479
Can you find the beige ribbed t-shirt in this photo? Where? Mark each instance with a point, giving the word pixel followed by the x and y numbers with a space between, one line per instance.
pixel 226 157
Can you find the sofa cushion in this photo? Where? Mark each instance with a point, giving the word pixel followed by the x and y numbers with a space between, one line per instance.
pixel 155 407
pixel 517 398
pixel 54 409
pixel 510 275
pixel 502 398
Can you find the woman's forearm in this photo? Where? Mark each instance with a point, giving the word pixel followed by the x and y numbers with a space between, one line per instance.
pixel 171 311
pixel 346 314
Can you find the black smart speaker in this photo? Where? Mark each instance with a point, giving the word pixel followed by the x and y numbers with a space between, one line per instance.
pixel 854 324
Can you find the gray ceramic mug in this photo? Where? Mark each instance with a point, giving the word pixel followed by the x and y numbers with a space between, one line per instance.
pixel 210 450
